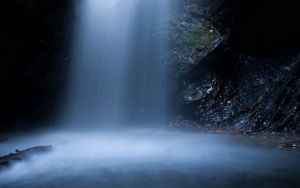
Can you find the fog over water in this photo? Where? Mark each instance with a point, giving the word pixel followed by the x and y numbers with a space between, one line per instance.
pixel 148 158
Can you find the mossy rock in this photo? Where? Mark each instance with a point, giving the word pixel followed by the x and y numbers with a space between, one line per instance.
pixel 199 37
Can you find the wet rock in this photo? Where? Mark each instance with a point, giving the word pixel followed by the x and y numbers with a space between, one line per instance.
pixel 287 145
pixel 23 154
pixel 231 82
pixel 230 132
pixel 262 98
pixel 193 37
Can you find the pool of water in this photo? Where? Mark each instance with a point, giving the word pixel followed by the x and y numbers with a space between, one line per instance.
pixel 148 158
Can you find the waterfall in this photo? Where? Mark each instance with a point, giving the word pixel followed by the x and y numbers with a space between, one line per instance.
pixel 118 56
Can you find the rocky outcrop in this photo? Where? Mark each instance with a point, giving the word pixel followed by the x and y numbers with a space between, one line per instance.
pixel 192 37
pixel 261 95
pixel 223 80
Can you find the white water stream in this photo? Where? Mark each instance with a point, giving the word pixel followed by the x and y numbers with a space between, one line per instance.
pixel 119 49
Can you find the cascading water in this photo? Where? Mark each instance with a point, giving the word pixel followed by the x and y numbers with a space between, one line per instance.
pixel 118 57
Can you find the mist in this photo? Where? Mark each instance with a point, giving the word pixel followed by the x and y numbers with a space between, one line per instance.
pixel 118 76
pixel 148 158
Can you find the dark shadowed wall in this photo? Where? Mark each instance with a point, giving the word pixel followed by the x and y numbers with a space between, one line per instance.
pixel 34 59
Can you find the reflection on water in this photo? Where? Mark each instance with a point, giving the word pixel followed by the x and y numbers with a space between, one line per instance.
pixel 148 158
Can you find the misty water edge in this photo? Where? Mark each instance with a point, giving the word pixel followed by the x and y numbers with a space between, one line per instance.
pixel 148 158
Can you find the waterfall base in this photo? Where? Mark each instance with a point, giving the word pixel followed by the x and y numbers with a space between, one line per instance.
pixel 150 158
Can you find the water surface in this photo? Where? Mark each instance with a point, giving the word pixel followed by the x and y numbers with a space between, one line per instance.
pixel 149 158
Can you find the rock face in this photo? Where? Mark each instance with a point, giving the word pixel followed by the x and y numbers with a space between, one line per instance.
pixel 223 79
pixel 192 37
